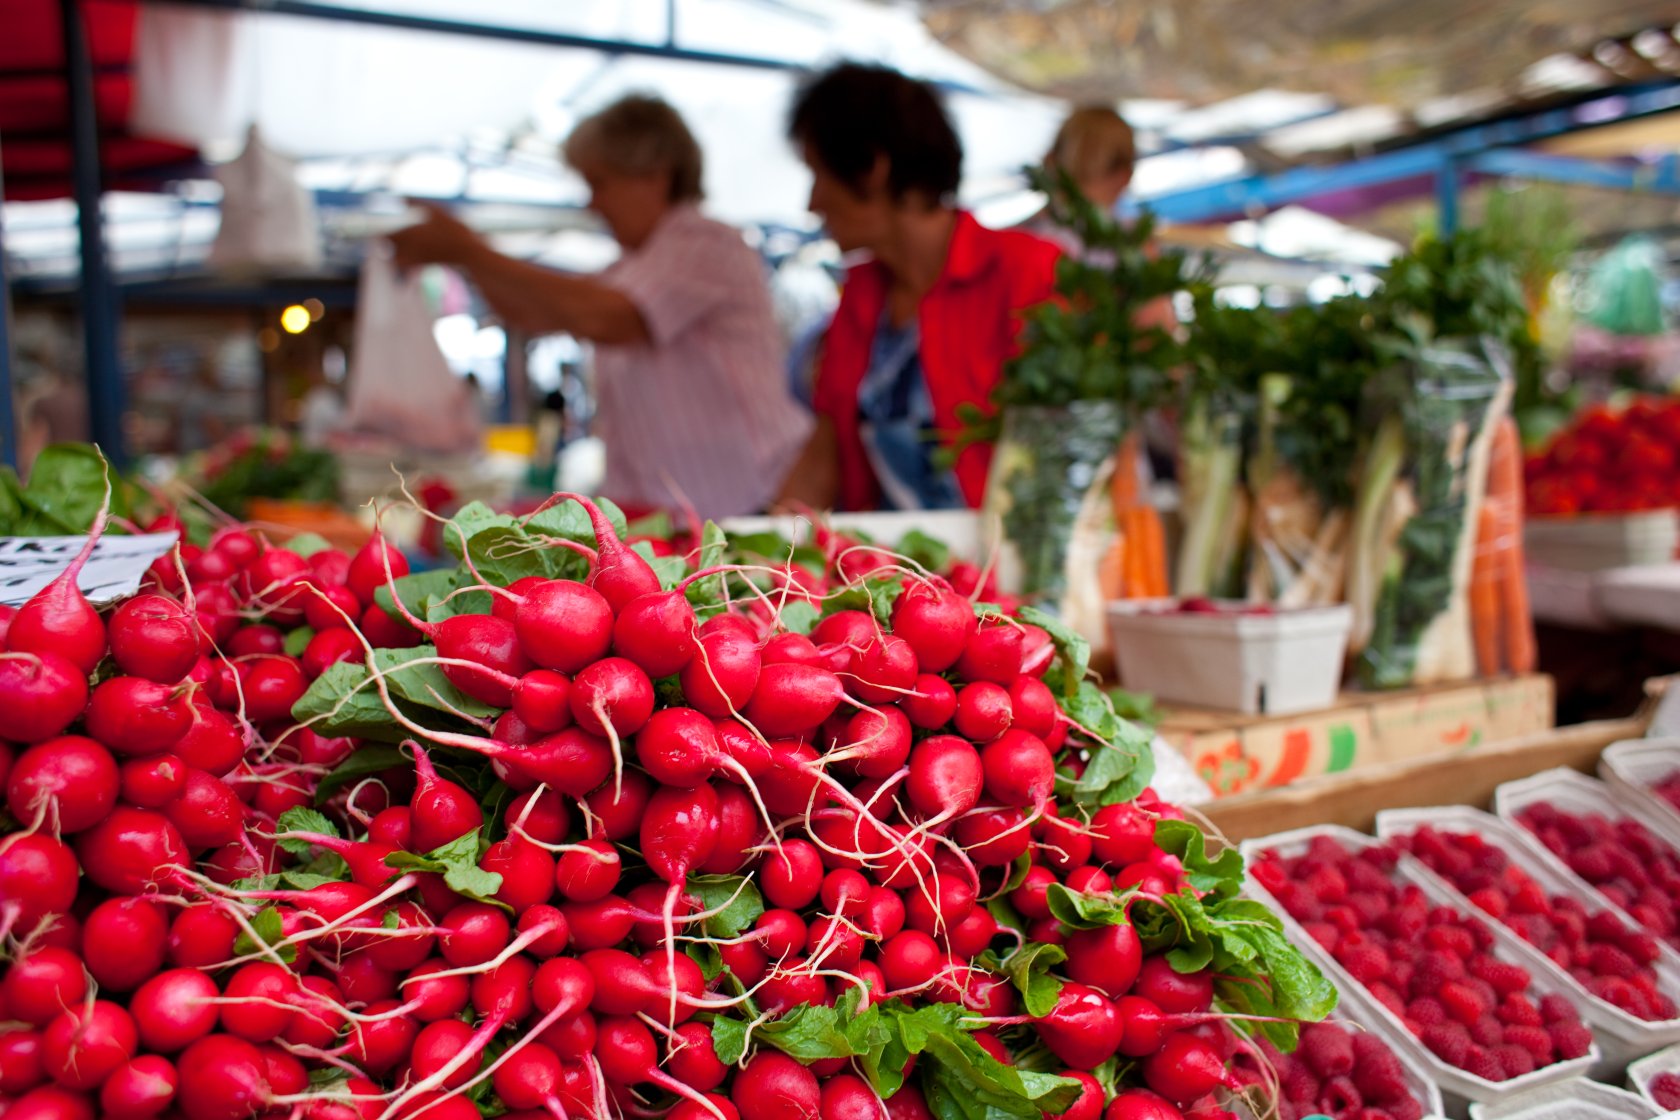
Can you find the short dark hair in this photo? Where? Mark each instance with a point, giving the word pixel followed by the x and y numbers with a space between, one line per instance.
pixel 852 115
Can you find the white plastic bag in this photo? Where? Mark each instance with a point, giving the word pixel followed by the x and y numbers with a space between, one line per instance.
pixel 268 219
pixel 400 385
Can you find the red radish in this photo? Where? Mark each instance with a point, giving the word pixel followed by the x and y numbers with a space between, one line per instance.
pixel 1019 769
pixel 884 669
pixel 49 1102
pixel 617 813
pixel 271 686
pixel 853 629
pixel 258 1001
pixel 174 1009
pixel 692 1059
pixel 137 717
pixel 207 814
pixel 528 1078
pixel 130 850
pixel 41 694
pixel 472 933
pixel 527 873
pixel 564 625
pixel 154 781
pixel 1122 834
pixel 1083 1029
pixel 20 1061
pixel 37 878
pixel 39 986
pixel 657 632
pixel 792 699
pixel 140 1087
pixel 619 574
pixel 442 811
pixel 931 704
pixel 384 632
pixel 946 777
pixel 714 1108
pixel 486 640
pixel 1141 1104
pixel 983 711
pixel 679 831
pixel 58 618
pixel 84 1043
pixel 279 586
pixel 992 654
pixel 1186 1068
pixel 1173 991
pixel 935 620
pixel 256 641
pixel 154 637
pixel 543 699
pixel 1088 1105
pixel 790 649
pixel 740 832
pixel 201 936
pixel 69 783
pixel 379 1045
pixel 434 997
pixel 772 1086
pixel 612 692
pixel 1106 959
pixel 212 742
pixel 374 564
pixel 678 747
pixel 719 679
pixel 589 871
pixel 327 649
pixel 876 741
pixel 573 762
pixel 1034 706
pixel 222 1078
pixel 554 931
pixel 792 875
pixel 123 942
pixel 332 608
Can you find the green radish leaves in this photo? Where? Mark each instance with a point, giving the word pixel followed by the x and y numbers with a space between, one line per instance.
pixel 1078 910
pixel 367 760
pixel 457 862
pixel 307 544
pixel 1072 650
pixel 1222 875
pixel 959 1079
pixel 265 923
pixel 302 820
pixel 345 699
pixel 1028 968
pixel 734 897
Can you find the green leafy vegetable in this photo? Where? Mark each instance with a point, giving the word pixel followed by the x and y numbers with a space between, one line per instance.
pixel 303 820
pixel 266 924
pixel 457 862
pixel 741 904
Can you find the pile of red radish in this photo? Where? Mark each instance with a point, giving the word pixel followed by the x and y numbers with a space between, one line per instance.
pixel 285 844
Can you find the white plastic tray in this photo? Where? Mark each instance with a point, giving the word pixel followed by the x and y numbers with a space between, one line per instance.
pixel 1458 1087
pixel 1575 1099
pixel 1637 765
pixel 1640 1073
pixel 1622 1036
pixel 1574 792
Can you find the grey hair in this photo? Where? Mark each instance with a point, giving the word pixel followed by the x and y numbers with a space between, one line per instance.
pixel 639 135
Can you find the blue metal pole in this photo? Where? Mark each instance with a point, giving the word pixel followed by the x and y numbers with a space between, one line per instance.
pixel 1447 178
pixel 8 399
pixel 98 294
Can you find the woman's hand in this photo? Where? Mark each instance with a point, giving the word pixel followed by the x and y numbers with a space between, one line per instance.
pixel 440 238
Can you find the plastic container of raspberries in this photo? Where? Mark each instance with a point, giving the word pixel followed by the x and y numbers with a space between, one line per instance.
pixel 1363 1029
pixel 1459 1087
pixel 1640 766
pixel 1656 1077
pixel 1622 1035
pixel 1567 791
pixel 1575 1099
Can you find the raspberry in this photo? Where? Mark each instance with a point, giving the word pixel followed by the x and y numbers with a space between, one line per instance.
pixel 1368 906
pixel 1487 1031
pixel 1340 1096
pixel 1527 899
pixel 1343 918
pixel 1592 864
pixel 1298 1082
pixel 1404 1108
pixel 1506 978
pixel 1570 1039
pixel 1326 1049
pixel 1325 934
pixel 1433 969
pixel 1367 879
pixel 1400 972
pixel 1372 1114
pixel 1489 901
pixel 1514 1060
pixel 1447 1041
pixel 1665 1089
pixel 1610 960
pixel 1481 1063
pixel 1517 1010
pixel 1450 938
pixel 1327 885
pixel 1365 962
pixel 1642 947
pixel 1536 1041
pixel 1389 998
pixel 1556 1009
pixel 1462 1002
pixel 1426 1011
pixel 1606 926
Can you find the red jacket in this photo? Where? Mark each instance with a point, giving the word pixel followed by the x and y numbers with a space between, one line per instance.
pixel 969 324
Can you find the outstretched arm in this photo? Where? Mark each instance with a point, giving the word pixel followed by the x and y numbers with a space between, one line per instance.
pixel 526 296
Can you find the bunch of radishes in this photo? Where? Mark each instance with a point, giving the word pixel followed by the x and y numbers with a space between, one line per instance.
pixel 1433 967
pixel 614 831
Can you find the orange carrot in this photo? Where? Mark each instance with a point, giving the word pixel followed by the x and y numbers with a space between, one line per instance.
pixel 1486 571
pixel 1111 570
pixel 1124 490
pixel 1505 500
pixel 1154 537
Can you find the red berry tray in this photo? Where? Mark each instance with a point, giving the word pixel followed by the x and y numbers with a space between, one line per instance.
pixel 1459 1087
pixel 1622 1035
pixel 1640 766
pixel 1642 1074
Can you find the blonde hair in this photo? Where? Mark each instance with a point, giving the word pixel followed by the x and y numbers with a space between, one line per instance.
pixel 1093 143
pixel 639 135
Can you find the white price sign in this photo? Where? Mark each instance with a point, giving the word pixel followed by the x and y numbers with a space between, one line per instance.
pixel 115 569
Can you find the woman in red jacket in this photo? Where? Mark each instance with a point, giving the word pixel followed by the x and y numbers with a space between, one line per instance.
pixel 927 321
